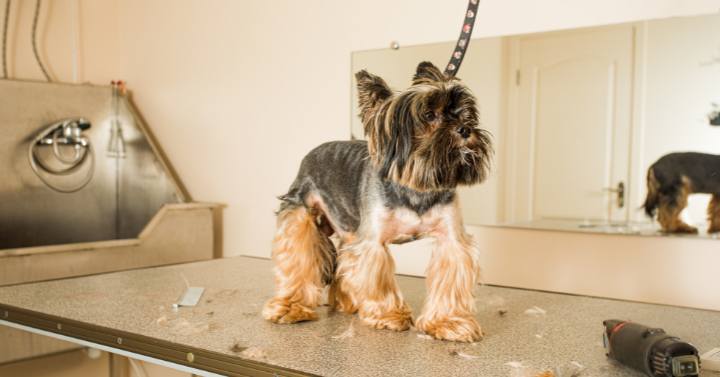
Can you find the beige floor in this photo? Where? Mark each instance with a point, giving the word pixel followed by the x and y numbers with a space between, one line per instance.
pixel 75 364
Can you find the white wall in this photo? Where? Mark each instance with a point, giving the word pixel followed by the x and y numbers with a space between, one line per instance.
pixel 95 35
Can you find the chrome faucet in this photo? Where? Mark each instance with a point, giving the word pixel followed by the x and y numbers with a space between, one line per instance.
pixel 65 132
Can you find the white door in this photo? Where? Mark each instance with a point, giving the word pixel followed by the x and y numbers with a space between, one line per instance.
pixel 571 112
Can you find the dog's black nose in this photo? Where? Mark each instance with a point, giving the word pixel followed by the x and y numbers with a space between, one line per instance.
pixel 465 132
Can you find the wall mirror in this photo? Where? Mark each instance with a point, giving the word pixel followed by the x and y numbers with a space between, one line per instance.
pixel 578 116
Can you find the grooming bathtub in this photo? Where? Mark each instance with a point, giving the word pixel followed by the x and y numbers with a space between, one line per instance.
pixel 133 212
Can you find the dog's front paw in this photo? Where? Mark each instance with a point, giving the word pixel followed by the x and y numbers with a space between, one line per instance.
pixel 342 302
pixel 281 310
pixel 457 329
pixel 398 319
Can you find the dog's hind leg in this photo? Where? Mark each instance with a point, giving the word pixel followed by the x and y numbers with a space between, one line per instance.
pixel 304 260
pixel 671 205
pixel 652 198
pixel 714 214
pixel 366 284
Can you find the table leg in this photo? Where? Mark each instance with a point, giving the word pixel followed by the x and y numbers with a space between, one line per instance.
pixel 119 366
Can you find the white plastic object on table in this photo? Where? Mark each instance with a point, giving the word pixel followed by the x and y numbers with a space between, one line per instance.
pixel 191 297
pixel 710 360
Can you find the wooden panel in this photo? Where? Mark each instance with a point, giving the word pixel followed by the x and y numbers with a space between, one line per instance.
pixel 662 270
pixel 18 345
pixel 68 364
pixel 119 366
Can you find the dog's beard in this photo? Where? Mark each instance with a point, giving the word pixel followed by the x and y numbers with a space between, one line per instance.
pixel 429 160
pixel 443 161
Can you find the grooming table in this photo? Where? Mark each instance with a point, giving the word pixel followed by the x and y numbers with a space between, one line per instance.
pixel 131 313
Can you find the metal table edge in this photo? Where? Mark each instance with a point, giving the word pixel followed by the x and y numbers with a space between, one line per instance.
pixel 129 344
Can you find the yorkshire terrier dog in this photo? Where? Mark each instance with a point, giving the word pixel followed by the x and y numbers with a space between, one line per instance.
pixel 397 187
pixel 675 176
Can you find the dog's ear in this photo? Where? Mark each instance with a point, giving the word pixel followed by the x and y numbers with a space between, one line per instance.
pixel 372 91
pixel 426 73
pixel 393 137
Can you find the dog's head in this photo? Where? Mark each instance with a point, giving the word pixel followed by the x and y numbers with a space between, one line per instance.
pixel 426 137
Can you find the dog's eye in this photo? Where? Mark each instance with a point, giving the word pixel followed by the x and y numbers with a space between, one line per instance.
pixel 429 116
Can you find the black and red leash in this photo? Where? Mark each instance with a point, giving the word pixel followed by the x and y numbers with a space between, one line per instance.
pixel 464 39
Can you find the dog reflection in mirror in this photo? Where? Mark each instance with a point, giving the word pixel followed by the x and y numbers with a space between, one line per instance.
pixel 675 176
pixel 398 186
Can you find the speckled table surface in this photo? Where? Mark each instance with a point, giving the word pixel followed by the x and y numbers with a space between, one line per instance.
pixel 540 330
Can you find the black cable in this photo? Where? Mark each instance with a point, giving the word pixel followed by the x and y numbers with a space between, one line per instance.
pixel 4 38
pixel 34 42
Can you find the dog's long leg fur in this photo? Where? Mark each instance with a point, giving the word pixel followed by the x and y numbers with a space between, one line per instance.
pixel 670 207
pixel 714 214
pixel 366 284
pixel 452 276
pixel 303 258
